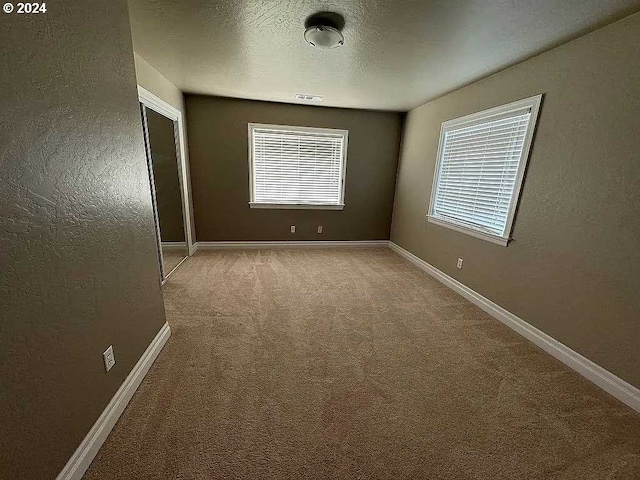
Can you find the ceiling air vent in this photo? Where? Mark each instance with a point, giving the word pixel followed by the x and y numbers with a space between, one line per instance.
pixel 309 98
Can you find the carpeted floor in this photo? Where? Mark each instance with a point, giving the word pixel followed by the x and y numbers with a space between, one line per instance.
pixel 172 257
pixel 353 364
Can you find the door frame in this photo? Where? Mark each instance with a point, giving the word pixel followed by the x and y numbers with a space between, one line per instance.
pixel 158 105
pixel 152 184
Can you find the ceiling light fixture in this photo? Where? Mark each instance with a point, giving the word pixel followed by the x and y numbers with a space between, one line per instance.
pixel 324 37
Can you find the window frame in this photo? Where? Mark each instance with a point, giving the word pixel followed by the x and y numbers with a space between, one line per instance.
pixel 298 206
pixel 533 103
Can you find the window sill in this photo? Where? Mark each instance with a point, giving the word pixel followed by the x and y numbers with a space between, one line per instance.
pixel 296 206
pixel 469 231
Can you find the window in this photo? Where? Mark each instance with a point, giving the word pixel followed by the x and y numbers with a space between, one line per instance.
pixel 297 167
pixel 480 166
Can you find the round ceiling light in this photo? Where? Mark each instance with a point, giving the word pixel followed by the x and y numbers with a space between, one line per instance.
pixel 324 37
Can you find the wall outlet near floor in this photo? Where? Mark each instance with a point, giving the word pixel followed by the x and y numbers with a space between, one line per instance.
pixel 319 228
pixel 109 358
pixel 293 229
pixel 459 264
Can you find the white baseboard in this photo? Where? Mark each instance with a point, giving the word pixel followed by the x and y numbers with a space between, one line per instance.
pixel 623 391
pixel 85 453
pixel 291 244
pixel 173 245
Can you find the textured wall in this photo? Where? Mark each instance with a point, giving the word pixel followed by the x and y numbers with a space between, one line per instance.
pixel 218 142
pixel 572 270
pixel 79 268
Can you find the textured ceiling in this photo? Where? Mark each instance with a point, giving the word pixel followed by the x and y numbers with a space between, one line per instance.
pixel 397 54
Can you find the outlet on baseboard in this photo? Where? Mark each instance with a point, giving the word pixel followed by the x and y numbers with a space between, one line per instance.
pixel 109 358
pixel 293 229
pixel 319 228
pixel 459 264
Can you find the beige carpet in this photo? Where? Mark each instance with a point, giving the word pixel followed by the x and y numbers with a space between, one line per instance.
pixel 171 257
pixel 353 364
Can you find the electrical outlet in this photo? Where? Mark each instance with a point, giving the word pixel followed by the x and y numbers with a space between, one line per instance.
pixel 459 264
pixel 319 228
pixel 109 358
pixel 293 229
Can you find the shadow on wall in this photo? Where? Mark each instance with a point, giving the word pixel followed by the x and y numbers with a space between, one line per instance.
pixel 79 265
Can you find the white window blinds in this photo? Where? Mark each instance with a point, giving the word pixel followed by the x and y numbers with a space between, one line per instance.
pixel 480 165
pixel 296 166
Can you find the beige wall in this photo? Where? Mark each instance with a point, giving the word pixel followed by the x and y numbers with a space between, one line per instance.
pixel 218 142
pixel 79 270
pixel 152 80
pixel 573 268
